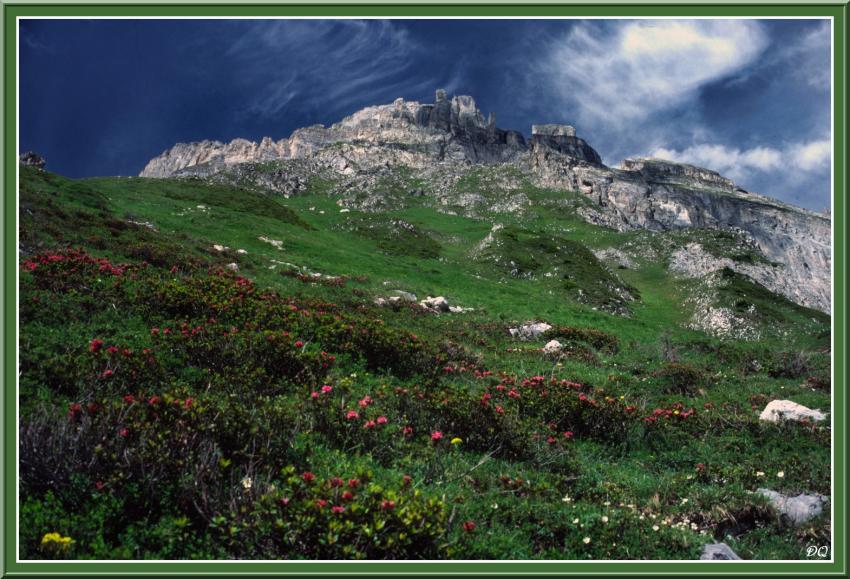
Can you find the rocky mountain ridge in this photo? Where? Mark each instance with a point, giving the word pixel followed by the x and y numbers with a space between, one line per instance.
pixel 440 141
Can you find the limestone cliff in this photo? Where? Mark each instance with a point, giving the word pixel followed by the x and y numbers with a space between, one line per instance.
pixel 451 133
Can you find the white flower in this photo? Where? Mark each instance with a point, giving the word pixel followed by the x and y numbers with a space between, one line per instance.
pixel 247 482
pixel 567 499
pixel 604 519
pixel 685 500
pixel 781 474
pixel 655 527
pixel 495 505
pixel 586 540
pixel 759 473
pixel 575 521
pixel 607 503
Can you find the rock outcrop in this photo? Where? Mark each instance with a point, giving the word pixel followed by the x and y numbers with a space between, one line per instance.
pixel 439 139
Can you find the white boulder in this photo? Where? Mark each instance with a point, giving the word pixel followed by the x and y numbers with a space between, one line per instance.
pixel 530 330
pixel 553 347
pixel 779 410
pixel 797 510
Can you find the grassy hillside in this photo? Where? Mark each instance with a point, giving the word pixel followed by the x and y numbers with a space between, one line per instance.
pixel 172 407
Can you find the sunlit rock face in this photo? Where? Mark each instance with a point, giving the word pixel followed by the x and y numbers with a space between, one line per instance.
pixel 439 140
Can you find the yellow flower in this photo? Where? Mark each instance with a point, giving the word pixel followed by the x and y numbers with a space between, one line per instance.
pixel 57 539
pixel 456 440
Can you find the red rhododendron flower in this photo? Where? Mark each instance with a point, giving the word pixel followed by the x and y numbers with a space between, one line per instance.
pixel 112 350
pixel 366 401
pixel 107 373
pixel 469 526
pixel 299 344
pixel 353 482
pixel 347 495
pixel 352 415
pixel 188 402
pixel 387 505
pixel 406 479
pixel 369 424
pixel 308 476
pixel 436 435
pixel 338 510
pixel 284 501
pixel 95 345
pixel 314 395
pixel 74 410
pixel 327 389
pixel 335 481
pixel 99 485
pixel 154 331
pixel 321 503
pixel 92 407
pixel 500 410
pixel 154 400
pixel 407 430
pixel 382 420
pixel 124 433
pixel 129 399
pixel 551 440
pixel 568 434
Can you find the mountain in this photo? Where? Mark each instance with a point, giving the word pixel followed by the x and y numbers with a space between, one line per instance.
pixel 452 137
pixel 415 335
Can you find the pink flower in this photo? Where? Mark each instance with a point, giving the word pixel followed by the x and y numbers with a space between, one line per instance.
pixel 407 430
pixel 352 415
pixel 436 435
pixel 314 395
pixel 382 420
pixel 327 389
pixel 107 373
pixel 188 402
pixel 369 424
pixel 551 440
pixel 366 401
pixel 338 510
pixel 284 501
pixel 568 434
pixel 112 350
pixel 321 503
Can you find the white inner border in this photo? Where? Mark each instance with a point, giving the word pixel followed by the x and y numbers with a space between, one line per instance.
pixel 17 280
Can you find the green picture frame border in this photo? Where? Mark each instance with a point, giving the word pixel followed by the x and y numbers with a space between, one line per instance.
pixel 13 568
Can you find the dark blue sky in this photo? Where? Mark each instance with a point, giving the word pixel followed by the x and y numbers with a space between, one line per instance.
pixel 747 98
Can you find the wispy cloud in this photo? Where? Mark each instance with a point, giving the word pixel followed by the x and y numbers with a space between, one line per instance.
pixel 619 73
pixel 329 64
pixel 792 164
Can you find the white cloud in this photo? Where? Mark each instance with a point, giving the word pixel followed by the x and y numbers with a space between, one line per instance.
pixel 740 165
pixel 619 73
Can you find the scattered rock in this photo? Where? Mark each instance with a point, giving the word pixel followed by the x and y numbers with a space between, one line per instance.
pixel 232 266
pixel 796 510
pixel 718 552
pixel 147 224
pixel 241 251
pixel 459 310
pixel 406 296
pixel 32 159
pixel 615 255
pixel 276 243
pixel 530 330
pixel 220 248
pixel 779 410
pixel 553 347
pixel 437 304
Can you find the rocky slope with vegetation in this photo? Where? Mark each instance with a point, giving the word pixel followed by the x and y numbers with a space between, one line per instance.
pixel 415 335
